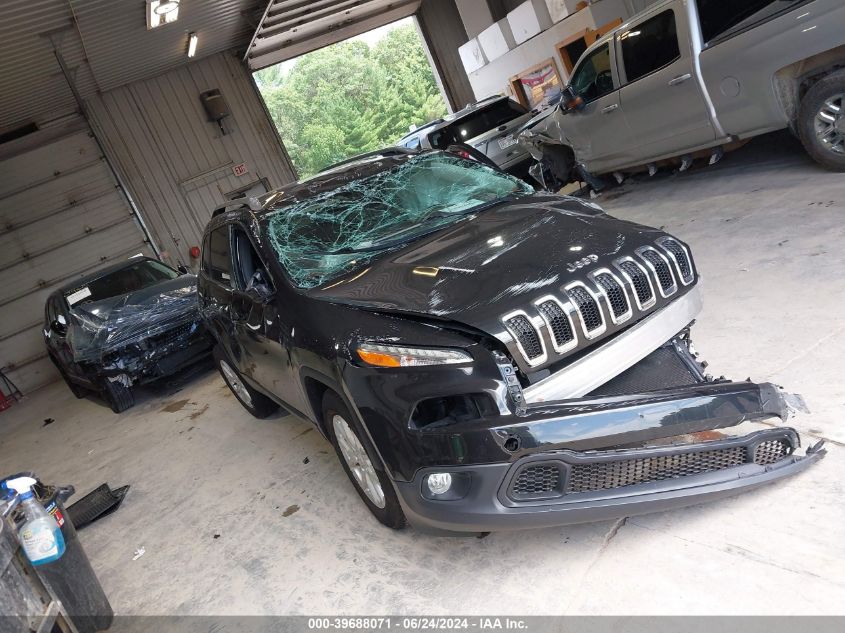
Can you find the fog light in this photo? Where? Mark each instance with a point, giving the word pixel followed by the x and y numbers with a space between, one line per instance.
pixel 439 483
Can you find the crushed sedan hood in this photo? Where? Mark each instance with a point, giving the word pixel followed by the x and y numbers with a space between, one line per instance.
pixel 102 326
pixel 487 264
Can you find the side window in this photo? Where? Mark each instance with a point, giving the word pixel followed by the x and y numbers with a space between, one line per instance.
pixel 650 45
pixel 250 271
pixel 717 17
pixel 593 78
pixel 217 262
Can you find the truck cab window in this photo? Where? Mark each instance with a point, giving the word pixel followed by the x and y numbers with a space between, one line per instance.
pixel 650 45
pixel 593 78
pixel 219 261
pixel 724 17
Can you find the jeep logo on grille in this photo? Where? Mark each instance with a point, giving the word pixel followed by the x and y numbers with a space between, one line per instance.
pixel 580 263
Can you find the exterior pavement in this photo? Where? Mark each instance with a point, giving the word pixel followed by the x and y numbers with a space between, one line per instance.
pixel 233 521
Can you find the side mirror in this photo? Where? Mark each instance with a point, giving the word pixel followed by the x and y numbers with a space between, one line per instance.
pixel 570 100
pixel 182 269
pixel 59 326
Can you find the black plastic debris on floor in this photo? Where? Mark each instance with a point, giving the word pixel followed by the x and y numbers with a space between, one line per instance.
pixel 98 503
pixel 48 421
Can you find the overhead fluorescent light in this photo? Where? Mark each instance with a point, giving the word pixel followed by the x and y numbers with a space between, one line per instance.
pixel 161 12
pixel 192 44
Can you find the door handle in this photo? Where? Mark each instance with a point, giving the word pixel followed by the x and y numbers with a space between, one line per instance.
pixel 610 108
pixel 680 79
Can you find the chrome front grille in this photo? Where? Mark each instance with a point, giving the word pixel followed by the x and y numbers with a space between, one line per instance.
pixel 527 337
pixel 559 323
pixel 638 278
pixel 614 292
pixel 659 265
pixel 583 310
pixel 588 309
pixel 679 256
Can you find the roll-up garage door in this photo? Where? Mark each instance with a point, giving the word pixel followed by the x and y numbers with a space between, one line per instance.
pixel 61 216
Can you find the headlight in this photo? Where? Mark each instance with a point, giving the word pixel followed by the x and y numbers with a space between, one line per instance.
pixel 395 356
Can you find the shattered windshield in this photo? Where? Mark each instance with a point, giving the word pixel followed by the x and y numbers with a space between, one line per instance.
pixel 333 232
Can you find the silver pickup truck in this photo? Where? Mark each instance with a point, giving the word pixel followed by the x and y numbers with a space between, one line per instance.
pixel 686 77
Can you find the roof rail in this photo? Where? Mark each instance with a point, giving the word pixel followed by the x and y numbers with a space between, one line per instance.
pixel 387 151
pixel 234 205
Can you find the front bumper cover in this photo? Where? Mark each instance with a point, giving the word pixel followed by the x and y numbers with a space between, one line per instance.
pixel 490 504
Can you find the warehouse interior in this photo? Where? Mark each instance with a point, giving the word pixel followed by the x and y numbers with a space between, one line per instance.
pixel 120 136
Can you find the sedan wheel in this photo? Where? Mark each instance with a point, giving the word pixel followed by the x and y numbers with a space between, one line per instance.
pixel 358 461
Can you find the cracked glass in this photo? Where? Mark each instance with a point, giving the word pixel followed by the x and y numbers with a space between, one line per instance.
pixel 337 231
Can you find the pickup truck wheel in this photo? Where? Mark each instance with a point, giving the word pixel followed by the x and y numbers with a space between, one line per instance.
pixel 259 405
pixel 821 121
pixel 118 396
pixel 361 463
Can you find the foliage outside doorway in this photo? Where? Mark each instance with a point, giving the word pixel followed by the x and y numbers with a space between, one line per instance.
pixel 351 97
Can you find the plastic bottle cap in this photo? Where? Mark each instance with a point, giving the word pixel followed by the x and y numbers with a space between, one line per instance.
pixel 22 485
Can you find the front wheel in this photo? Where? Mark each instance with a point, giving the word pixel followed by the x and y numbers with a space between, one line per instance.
pixel 361 463
pixel 118 396
pixel 821 121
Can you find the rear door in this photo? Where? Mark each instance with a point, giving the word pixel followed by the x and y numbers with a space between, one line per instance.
pixel 660 97
pixel 598 132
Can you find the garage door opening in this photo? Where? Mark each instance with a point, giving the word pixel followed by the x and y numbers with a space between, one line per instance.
pixel 351 97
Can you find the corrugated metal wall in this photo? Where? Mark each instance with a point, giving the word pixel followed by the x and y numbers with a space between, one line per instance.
pixel 178 165
pixel 61 216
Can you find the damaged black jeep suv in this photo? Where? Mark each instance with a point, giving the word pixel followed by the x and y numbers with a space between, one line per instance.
pixel 481 356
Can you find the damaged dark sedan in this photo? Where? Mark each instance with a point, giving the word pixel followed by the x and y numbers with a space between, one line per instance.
pixel 482 356
pixel 128 324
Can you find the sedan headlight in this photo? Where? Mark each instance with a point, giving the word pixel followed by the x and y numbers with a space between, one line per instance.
pixel 396 356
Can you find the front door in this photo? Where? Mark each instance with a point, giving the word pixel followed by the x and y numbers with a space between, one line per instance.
pixel 598 133
pixel 262 332
pixel 660 97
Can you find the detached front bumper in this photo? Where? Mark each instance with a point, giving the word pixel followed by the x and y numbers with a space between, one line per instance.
pixel 567 487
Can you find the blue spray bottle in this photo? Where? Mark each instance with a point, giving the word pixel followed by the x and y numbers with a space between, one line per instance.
pixel 40 535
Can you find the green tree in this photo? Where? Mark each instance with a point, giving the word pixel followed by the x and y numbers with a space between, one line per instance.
pixel 350 98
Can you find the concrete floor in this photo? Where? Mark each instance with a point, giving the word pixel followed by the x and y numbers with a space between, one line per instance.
pixel 234 521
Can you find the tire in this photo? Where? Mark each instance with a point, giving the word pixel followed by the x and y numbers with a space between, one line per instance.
pixel 259 405
pixel 77 390
pixel 381 499
pixel 118 396
pixel 811 124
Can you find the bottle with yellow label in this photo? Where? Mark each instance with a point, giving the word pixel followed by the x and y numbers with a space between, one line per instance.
pixel 40 536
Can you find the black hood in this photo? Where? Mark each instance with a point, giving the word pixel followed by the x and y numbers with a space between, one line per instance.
pixel 488 264
pixel 108 324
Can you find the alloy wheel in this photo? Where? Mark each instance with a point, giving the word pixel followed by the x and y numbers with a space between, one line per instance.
pixel 358 461
pixel 235 383
pixel 830 124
